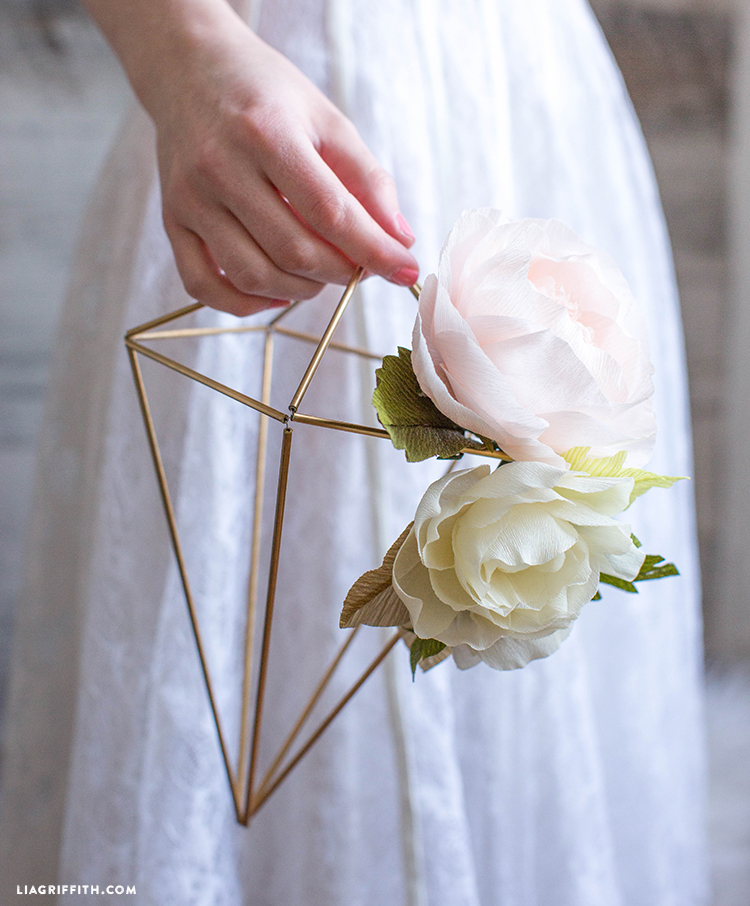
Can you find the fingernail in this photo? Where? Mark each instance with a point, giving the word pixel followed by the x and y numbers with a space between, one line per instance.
pixel 405 276
pixel 404 227
pixel 278 303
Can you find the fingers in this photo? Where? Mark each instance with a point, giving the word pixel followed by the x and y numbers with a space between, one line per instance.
pixel 359 171
pixel 204 281
pixel 245 263
pixel 325 204
pixel 275 214
pixel 286 241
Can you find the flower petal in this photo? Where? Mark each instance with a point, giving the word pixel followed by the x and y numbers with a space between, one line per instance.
pixel 411 581
pixel 531 337
pixel 510 654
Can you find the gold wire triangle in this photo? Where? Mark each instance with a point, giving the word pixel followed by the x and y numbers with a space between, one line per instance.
pixel 249 793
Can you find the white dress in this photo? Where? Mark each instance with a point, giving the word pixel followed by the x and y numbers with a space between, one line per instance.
pixel 577 781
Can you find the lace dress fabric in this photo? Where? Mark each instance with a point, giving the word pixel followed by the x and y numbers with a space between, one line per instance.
pixel 576 781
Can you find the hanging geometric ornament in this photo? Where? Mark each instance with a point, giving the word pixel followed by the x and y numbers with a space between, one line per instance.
pixel 251 789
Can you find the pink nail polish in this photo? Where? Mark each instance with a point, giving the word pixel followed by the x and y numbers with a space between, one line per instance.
pixel 278 303
pixel 404 227
pixel 405 276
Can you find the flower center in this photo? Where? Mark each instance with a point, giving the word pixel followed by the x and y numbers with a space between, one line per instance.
pixel 545 276
pixel 569 302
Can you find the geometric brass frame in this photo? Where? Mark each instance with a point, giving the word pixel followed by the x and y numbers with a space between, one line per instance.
pixel 249 793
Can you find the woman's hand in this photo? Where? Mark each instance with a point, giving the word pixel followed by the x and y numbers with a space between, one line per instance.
pixel 268 191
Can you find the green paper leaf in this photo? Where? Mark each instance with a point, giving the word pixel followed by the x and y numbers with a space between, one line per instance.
pixel 653 567
pixel 412 420
pixel 421 649
pixel 421 442
pixel 489 443
pixel 428 662
pixel 613 467
pixel 618 583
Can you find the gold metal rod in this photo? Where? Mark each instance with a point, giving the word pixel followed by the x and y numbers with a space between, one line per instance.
pixel 172 525
pixel 451 466
pixel 198 332
pixel 319 422
pixel 339 426
pixel 207 381
pixel 286 449
pixel 258 328
pixel 137 332
pixel 319 690
pixel 252 579
pixel 164 319
pixel 311 338
pixel 325 340
pixel 416 290
pixel 264 793
pixel 488 454
pixel 283 313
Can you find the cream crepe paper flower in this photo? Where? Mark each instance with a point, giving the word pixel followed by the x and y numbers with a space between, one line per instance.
pixel 499 563
pixel 532 338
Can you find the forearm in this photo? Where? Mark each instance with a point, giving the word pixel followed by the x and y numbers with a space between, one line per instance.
pixel 160 41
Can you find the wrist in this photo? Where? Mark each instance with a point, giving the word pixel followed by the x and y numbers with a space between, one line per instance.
pixel 165 45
